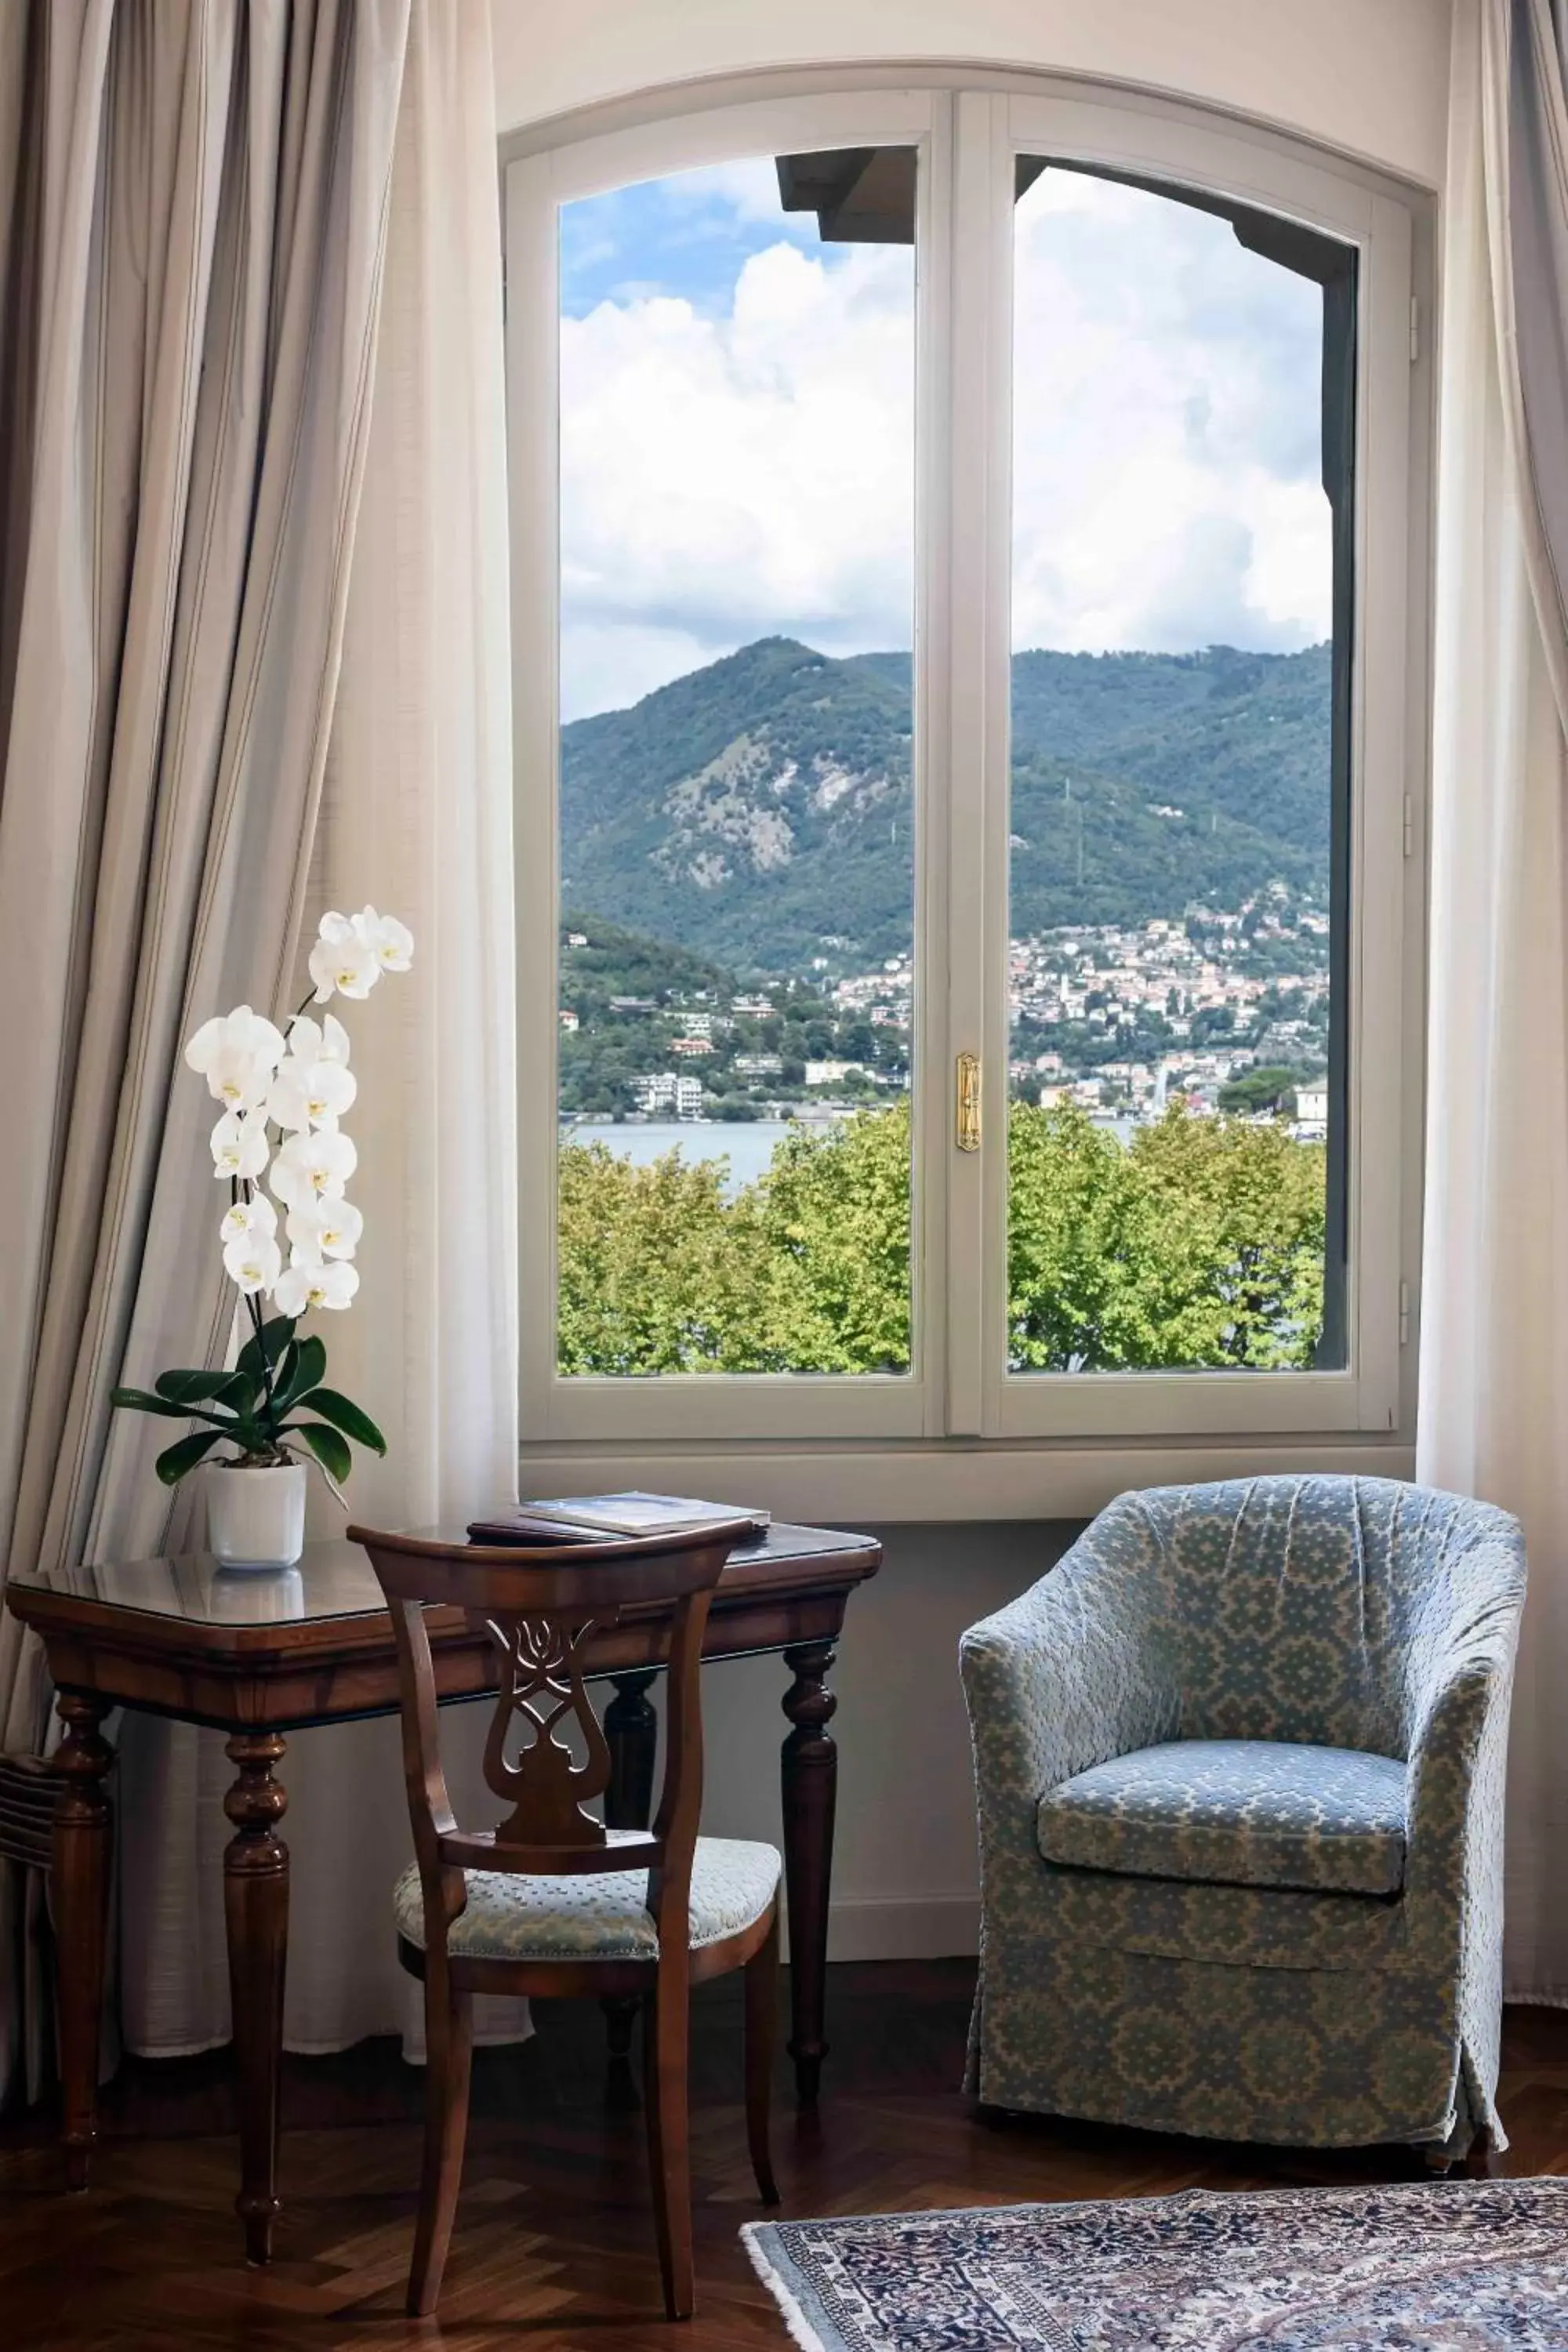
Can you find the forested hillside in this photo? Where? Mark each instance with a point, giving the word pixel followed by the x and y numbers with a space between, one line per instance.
pixel 760 808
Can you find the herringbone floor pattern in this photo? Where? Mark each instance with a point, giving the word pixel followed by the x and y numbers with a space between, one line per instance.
pixel 554 2248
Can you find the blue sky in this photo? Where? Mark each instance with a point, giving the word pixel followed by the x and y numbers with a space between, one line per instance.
pixel 738 434
pixel 689 234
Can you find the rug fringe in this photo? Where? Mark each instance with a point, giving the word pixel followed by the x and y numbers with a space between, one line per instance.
pixel 795 2319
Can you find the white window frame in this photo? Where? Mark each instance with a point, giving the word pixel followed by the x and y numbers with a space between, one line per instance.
pixel 1365 1394
pixel 959 1402
pixel 753 1405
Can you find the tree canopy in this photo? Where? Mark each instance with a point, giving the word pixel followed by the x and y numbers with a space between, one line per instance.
pixel 1200 1242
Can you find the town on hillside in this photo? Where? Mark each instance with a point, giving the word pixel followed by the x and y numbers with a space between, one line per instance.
pixel 1221 1009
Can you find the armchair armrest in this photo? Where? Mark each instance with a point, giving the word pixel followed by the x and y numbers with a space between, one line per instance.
pixel 1068 1675
pixel 1459 1745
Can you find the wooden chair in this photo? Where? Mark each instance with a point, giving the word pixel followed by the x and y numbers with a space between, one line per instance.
pixel 29 1788
pixel 550 1902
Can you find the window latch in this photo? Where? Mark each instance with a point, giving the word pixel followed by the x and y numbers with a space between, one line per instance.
pixel 968 1128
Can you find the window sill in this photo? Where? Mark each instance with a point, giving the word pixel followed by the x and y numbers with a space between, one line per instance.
pixel 954 1480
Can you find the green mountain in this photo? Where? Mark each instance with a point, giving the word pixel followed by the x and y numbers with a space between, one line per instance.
pixel 758 811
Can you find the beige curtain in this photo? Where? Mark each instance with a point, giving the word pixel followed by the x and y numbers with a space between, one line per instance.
pixel 193 214
pixel 415 817
pixel 1494 1336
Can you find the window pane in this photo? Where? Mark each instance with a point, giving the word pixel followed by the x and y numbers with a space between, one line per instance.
pixel 1183 397
pixel 737 853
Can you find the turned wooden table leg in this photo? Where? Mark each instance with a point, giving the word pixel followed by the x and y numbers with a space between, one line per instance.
pixel 631 1734
pixel 255 1913
pixel 809 1775
pixel 80 1890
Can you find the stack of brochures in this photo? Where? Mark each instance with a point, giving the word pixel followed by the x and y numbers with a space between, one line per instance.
pixel 611 1518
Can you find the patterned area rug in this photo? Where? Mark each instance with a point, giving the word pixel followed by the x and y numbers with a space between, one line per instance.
pixel 1460 2266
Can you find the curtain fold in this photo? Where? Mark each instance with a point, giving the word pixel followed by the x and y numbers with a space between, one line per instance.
pixel 195 199
pixel 196 203
pixel 203 245
pixel 415 817
pixel 1494 1333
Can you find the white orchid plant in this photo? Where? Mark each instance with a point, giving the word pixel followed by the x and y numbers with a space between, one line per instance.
pixel 297 1081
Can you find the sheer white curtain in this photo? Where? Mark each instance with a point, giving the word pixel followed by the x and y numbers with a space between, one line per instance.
pixel 1494 1338
pixel 415 817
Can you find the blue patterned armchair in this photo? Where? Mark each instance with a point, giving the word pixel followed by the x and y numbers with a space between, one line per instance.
pixel 1240 1763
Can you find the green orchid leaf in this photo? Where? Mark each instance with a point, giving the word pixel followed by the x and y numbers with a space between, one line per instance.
pixel 176 1460
pixel 285 1379
pixel 251 1435
pixel 239 1391
pixel 143 1401
pixel 310 1364
pixel 263 1350
pixel 200 1388
pixel 330 1450
pixel 345 1415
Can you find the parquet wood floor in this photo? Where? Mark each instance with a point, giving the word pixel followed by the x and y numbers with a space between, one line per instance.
pixel 553 2250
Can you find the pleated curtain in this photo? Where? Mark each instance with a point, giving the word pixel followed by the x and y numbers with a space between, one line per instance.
pixel 203 204
pixel 415 817
pixel 1494 1334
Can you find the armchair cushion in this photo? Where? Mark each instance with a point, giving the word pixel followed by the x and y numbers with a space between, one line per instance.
pixel 1236 1812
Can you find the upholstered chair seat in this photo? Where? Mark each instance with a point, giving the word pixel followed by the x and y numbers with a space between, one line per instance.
pixel 595 1914
pixel 1240 1762
pixel 1238 1812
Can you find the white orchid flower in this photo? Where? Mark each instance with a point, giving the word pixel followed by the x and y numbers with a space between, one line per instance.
pixel 300 1285
pixel 239 1145
pixel 319 1041
pixel 310 1093
pixel 237 1054
pixel 255 1216
pixel 390 941
pixel 254 1261
pixel 342 960
pixel 310 1166
pixel 322 1228
pixel 334 1045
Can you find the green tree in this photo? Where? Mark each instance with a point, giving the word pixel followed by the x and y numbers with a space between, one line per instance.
pixel 1198 1243
pixel 651 1277
pixel 833 1214
pixel 1270 1088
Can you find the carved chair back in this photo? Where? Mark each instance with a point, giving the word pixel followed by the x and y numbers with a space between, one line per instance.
pixel 539 1609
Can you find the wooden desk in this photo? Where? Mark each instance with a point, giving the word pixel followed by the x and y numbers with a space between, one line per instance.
pixel 257 1655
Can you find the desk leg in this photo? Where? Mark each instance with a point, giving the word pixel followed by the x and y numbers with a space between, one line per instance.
pixel 80 1873
pixel 631 1732
pixel 809 1774
pixel 255 1913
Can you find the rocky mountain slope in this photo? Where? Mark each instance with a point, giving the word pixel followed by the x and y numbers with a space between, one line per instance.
pixel 759 810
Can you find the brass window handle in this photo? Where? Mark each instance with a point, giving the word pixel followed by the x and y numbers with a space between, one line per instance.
pixel 967 1136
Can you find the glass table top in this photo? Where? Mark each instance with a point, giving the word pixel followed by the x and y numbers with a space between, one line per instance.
pixel 330 1578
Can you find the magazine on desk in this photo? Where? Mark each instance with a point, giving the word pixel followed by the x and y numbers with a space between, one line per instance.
pixel 613 1519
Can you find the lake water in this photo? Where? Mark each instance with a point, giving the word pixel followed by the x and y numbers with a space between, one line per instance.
pixel 747 1144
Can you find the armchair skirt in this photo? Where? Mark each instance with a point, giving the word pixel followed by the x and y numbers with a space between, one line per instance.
pixel 1239 1760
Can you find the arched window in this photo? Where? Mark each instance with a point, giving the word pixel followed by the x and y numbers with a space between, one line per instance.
pixel 971 608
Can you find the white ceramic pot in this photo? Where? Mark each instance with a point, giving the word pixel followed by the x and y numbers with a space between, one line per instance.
pixel 256 1517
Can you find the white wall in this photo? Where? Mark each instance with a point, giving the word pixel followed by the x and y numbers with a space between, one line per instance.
pixel 1366 75
pixel 905 1882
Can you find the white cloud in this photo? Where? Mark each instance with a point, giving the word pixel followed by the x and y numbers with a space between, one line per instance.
pixel 735 471
pixel 728 478
pixel 1166 489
